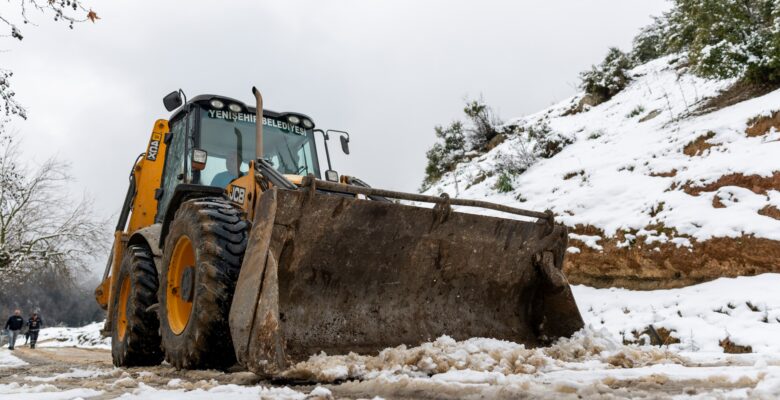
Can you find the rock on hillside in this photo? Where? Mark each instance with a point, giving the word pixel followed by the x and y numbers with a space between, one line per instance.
pixel 662 186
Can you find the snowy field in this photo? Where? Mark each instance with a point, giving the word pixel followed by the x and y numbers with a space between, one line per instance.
pixel 600 361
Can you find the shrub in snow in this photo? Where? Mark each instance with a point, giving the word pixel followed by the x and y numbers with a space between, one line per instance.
pixel 635 112
pixel 608 78
pixel 727 38
pixel 546 142
pixel 515 160
pixel 459 139
pixel 723 38
pixel 504 183
pixel 446 153
pixel 485 125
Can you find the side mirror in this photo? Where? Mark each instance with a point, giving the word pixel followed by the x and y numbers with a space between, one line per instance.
pixel 345 142
pixel 199 158
pixel 172 101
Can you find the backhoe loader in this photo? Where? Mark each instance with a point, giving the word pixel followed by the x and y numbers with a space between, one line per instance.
pixel 230 247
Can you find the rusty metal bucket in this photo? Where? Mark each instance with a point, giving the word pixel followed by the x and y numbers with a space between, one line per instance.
pixel 333 273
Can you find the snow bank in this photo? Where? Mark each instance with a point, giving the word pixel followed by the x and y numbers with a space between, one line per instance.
pixel 491 359
pixel 745 309
pixel 13 391
pixel 9 360
pixel 87 336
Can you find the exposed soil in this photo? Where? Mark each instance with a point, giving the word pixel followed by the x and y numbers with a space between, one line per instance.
pixel 770 211
pixel 761 125
pixel 716 203
pixel 756 183
pixel 643 266
pixel 653 336
pixel 668 174
pixel 733 348
pixel 584 104
pixel 699 146
pixel 737 93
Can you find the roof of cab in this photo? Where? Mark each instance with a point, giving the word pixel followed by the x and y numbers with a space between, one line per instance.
pixel 205 98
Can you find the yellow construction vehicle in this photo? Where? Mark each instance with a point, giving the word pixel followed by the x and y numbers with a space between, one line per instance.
pixel 230 247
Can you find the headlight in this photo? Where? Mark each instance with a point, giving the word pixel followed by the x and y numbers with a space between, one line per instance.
pixel 217 104
pixel 293 120
pixel 199 156
pixel 308 124
pixel 235 108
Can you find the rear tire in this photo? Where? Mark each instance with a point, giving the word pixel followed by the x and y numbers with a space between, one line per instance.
pixel 135 337
pixel 202 257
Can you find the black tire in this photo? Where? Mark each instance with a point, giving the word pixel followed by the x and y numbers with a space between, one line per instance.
pixel 217 231
pixel 139 344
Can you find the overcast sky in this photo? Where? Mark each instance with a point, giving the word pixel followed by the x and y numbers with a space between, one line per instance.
pixel 386 71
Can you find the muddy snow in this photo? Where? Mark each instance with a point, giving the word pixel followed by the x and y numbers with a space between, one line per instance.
pixel 605 360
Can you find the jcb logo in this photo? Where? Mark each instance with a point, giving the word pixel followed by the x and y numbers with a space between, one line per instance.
pixel 237 194
pixel 154 147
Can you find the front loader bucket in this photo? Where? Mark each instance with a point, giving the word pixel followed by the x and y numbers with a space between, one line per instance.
pixel 333 273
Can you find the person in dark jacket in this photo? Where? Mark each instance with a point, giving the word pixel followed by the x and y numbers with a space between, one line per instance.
pixel 34 325
pixel 14 325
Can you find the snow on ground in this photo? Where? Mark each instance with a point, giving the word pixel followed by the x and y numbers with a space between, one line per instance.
pixel 75 373
pixel 745 309
pixel 595 362
pixel 235 392
pixel 625 172
pixel 7 359
pixel 13 391
pixel 87 336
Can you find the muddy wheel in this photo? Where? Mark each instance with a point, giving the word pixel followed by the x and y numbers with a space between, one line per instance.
pixel 201 261
pixel 135 339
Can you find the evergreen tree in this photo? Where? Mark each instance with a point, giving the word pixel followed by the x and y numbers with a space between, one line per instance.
pixel 446 153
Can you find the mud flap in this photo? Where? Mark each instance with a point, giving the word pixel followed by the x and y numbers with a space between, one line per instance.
pixel 324 272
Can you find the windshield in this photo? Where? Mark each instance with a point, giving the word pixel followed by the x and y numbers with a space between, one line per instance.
pixel 229 140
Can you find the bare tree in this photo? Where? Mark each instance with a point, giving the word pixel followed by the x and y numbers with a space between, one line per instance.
pixel 41 227
pixel 21 13
pixel 485 124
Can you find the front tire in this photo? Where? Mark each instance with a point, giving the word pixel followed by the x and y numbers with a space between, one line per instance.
pixel 135 339
pixel 201 260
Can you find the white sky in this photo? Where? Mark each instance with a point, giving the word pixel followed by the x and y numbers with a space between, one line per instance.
pixel 386 71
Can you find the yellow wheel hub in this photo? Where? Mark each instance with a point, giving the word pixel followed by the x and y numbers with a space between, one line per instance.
pixel 180 285
pixel 124 294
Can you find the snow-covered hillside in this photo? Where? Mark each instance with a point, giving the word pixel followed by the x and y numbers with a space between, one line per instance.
pixel 654 186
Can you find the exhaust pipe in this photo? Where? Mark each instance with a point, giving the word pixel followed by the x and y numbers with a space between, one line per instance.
pixel 259 123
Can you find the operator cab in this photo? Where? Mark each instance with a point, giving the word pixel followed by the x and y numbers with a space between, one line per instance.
pixel 225 129
pixel 212 139
pixel 218 133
